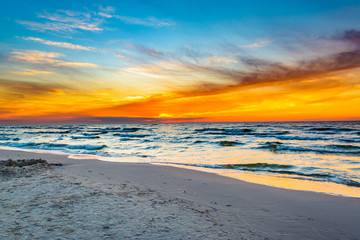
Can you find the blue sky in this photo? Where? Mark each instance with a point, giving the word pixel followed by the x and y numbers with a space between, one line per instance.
pixel 188 21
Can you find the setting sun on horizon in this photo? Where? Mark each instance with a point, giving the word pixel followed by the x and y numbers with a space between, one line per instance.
pixel 179 61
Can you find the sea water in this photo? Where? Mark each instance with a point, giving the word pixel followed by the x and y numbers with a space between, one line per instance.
pixel 315 156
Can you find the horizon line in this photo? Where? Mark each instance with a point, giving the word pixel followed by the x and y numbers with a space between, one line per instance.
pixel 129 120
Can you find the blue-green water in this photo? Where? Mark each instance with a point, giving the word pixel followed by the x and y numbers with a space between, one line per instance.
pixel 309 151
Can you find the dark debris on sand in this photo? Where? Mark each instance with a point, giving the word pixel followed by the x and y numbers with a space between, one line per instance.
pixel 23 167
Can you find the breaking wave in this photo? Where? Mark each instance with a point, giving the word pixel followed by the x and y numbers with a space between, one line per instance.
pixel 312 174
pixel 53 146
pixel 279 148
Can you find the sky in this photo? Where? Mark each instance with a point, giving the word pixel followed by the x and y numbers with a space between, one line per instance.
pixel 179 61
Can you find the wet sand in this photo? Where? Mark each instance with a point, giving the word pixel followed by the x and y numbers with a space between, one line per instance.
pixel 91 199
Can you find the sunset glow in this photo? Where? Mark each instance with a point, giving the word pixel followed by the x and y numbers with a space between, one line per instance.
pixel 179 61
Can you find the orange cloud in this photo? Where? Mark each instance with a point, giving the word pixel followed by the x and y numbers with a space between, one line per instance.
pixel 31 72
pixel 122 57
pixel 194 88
pixel 326 96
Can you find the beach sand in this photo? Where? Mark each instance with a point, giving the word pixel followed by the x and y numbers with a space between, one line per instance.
pixel 91 199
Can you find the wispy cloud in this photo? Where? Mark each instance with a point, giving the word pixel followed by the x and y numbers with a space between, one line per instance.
pixel 149 21
pixel 257 44
pixel 349 36
pixel 25 88
pixel 34 56
pixel 66 21
pixel 259 72
pixel 222 60
pixel 146 50
pixel 60 44
pixel 251 71
pixel 60 27
pixel 47 58
pixel 214 75
pixel 106 15
pixel 162 69
pixel 31 72
pixel 143 72
pixel 42 27
pixel 76 64
pixel 123 57
pixel 72 21
pixel 109 12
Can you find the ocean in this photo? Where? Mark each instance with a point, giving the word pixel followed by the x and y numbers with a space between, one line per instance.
pixel 311 156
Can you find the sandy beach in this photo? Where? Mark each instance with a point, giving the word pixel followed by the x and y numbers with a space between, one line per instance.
pixel 91 199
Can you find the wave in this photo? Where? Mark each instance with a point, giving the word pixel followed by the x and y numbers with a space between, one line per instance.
pixel 240 132
pixel 344 147
pixel 272 146
pixel 53 146
pixel 133 129
pixel 321 129
pixel 345 129
pixel 93 134
pixel 276 168
pixel 256 166
pixel 128 139
pixel 23 127
pixel 93 129
pixel 350 182
pixel 305 143
pixel 111 129
pixel 278 147
pixel 8 139
pixel 208 130
pixel 350 140
pixel 304 138
pixel 71 127
pixel 224 131
pixel 131 135
pixel 116 129
pixel 187 137
pixel 49 132
pixel 331 130
pixel 277 132
pixel 87 147
pixel 85 137
pixel 5 134
pixel 312 174
pixel 229 143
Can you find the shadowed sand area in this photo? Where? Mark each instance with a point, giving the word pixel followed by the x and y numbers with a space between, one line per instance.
pixel 86 199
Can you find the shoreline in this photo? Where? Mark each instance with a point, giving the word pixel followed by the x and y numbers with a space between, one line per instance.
pixel 329 188
pixel 241 209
